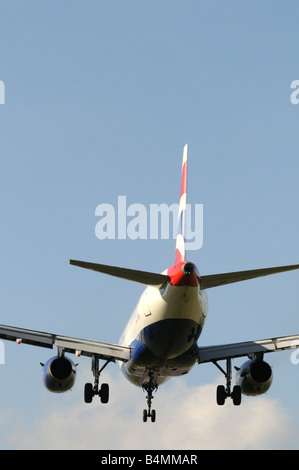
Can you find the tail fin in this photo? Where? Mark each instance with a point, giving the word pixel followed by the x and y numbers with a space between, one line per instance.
pixel 180 240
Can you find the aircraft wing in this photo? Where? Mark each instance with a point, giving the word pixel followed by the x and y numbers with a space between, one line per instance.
pixel 72 345
pixel 229 351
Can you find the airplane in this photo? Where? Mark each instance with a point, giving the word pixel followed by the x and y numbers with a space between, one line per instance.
pixel 160 340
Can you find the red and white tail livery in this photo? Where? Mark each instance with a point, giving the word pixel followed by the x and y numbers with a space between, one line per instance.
pixel 181 227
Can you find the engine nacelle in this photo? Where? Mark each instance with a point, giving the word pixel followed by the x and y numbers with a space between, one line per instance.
pixel 254 377
pixel 59 374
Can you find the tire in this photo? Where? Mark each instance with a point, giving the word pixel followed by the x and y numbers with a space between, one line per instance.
pixel 237 395
pixel 220 395
pixel 153 416
pixel 144 416
pixel 104 393
pixel 88 393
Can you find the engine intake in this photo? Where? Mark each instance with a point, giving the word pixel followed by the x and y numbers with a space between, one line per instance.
pixel 254 377
pixel 59 374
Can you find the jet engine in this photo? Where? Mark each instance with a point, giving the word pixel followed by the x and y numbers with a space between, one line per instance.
pixel 59 374
pixel 254 377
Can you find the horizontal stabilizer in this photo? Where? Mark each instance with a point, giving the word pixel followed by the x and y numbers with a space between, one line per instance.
pixel 215 280
pixel 143 277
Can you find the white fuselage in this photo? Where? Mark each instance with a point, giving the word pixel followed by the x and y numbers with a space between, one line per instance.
pixel 162 332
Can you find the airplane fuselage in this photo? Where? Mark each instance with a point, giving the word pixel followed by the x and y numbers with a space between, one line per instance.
pixel 165 326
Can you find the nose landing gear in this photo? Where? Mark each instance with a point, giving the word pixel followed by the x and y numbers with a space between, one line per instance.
pixel 149 387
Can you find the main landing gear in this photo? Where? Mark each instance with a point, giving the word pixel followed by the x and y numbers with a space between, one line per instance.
pixel 91 390
pixel 224 392
pixel 149 387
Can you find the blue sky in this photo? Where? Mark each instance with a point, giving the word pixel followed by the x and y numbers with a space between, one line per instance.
pixel 100 98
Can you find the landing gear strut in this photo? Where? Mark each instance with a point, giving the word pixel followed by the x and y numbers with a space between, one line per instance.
pixel 224 392
pixel 149 387
pixel 91 390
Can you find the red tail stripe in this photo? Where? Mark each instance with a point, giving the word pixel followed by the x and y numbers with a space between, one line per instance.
pixel 179 258
pixel 184 179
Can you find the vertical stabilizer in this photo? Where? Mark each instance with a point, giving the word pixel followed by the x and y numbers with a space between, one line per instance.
pixel 180 240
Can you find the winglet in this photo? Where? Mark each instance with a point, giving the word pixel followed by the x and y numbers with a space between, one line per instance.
pixel 180 240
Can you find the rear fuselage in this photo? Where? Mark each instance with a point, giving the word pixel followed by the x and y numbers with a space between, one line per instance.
pixel 165 326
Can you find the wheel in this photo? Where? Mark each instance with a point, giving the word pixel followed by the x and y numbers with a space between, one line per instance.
pixel 88 393
pixel 237 395
pixel 144 416
pixel 104 394
pixel 153 416
pixel 220 395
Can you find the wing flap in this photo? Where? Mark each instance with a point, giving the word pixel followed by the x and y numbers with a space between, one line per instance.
pixel 71 345
pixel 226 351
pixel 88 348
pixel 215 280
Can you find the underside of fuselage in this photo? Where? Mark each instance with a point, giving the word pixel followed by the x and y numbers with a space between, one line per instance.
pixel 155 351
